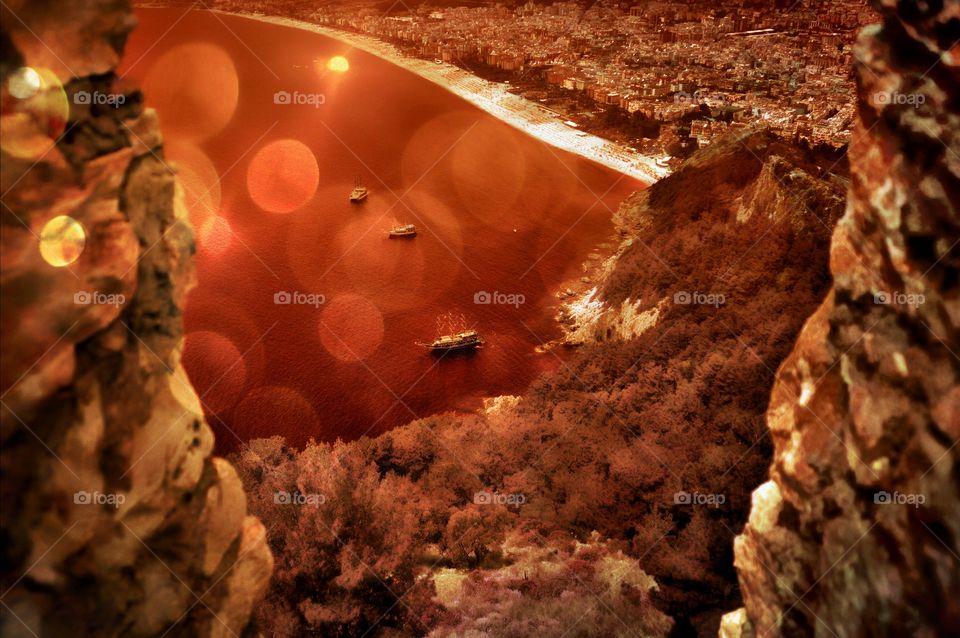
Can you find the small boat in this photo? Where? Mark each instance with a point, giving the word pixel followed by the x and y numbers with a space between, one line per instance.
pixel 359 192
pixel 466 340
pixel 407 230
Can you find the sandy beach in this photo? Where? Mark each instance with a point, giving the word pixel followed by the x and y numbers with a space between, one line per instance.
pixel 529 117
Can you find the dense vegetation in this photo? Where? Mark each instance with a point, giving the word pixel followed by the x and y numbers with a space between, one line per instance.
pixel 617 483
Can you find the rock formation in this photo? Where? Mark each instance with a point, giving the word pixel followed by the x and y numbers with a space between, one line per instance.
pixel 749 179
pixel 857 532
pixel 116 520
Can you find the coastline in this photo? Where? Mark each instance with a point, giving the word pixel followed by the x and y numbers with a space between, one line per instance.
pixel 575 312
pixel 491 97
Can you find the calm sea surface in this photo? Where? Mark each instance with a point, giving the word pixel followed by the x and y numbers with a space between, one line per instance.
pixel 269 136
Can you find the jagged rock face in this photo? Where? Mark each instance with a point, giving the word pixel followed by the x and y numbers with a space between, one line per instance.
pixel 116 520
pixel 857 533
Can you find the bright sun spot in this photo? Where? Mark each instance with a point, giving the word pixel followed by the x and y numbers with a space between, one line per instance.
pixel 24 83
pixel 62 240
pixel 338 64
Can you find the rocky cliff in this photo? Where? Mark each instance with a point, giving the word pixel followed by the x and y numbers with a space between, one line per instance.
pixel 772 198
pixel 116 520
pixel 857 532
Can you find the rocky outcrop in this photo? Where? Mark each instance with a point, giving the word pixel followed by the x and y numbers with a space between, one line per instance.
pixel 587 319
pixel 750 182
pixel 116 519
pixel 857 532
pixel 785 193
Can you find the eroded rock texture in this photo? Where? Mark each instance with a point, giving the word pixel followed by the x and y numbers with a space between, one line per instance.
pixel 116 520
pixel 865 415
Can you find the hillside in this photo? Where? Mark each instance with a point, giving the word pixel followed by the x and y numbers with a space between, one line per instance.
pixel 614 485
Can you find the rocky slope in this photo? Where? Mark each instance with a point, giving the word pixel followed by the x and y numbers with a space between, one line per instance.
pixel 749 182
pixel 857 532
pixel 116 519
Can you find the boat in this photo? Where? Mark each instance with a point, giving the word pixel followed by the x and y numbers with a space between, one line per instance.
pixel 466 340
pixel 453 334
pixel 359 192
pixel 407 230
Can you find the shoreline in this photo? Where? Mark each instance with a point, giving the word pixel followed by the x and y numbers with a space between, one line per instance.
pixel 526 116
pixel 492 98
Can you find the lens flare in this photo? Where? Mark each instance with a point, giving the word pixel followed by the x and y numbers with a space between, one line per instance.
pixel 216 368
pixel 351 328
pixel 198 178
pixel 267 408
pixel 338 64
pixel 32 122
pixel 216 235
pixel 62 240
pixel 24 83
pixel 195 90
pixel 283 176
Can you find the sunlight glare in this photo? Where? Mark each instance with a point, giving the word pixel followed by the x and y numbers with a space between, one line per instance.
pixel 338 64
pixel 24 83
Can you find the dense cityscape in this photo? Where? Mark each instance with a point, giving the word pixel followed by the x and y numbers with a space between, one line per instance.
pixel 663 78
